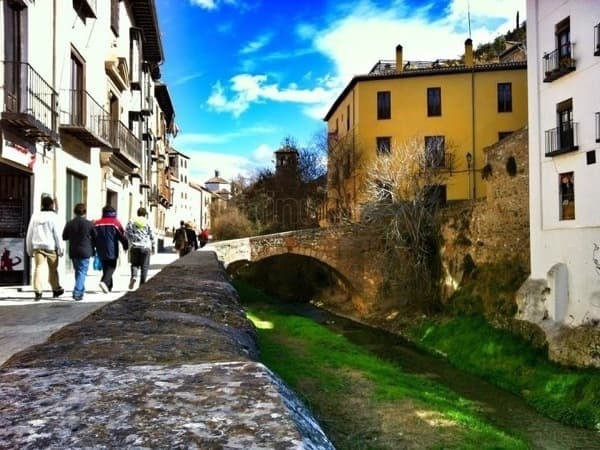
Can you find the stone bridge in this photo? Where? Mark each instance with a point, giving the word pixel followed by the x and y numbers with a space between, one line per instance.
pixel 354 259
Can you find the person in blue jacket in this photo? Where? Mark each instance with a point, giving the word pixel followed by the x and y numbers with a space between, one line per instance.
pixel 110 234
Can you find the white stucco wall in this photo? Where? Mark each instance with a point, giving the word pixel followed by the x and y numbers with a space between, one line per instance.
pixel 553 241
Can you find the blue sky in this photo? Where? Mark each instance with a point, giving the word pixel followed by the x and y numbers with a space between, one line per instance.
pixel 245 74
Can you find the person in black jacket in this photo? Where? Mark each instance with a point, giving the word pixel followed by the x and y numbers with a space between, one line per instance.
pixel 81 235
pixel 192 239
pixel 110 233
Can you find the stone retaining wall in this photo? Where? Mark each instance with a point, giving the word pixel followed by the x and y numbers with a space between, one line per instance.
pixel 173 364
pixel 495 229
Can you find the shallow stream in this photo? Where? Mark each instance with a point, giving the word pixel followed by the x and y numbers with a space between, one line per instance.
pixel 502 408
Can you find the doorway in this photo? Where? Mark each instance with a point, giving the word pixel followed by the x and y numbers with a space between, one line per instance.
pixel 15 211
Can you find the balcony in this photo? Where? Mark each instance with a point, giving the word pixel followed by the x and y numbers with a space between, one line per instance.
pixel 563 139
pixel 597 40
pixel 598 127
pixel 124 143
pixel 82 117
pixel 30 103
pixel 558 63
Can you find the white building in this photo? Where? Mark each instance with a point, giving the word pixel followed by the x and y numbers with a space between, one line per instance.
pixel 563 51
pixel 79 120
pixel 201 199
pixel 181 209
pixel 218 185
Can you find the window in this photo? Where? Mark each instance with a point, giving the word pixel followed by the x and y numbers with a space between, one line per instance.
pixel 76 192
pixel 564 117
pixel 384 105
pixel 590 157
pixel 114 119
pixel 567 196
pixel 383 145
pixel 563 40
pixel 15 39
pixel 348 117
pixel 135 57
pixel 77 89
pixel 434 101
pixel 503 134
pixel 114 16
pixel 504 97
pixel 434 151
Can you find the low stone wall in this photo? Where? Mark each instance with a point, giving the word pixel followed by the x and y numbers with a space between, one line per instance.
pixel 173 364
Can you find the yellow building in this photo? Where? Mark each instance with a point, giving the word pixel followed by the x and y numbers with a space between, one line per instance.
pixel 457 107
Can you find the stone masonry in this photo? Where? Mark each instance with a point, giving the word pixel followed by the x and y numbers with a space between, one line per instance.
pixel 173 364
pixel 355 260
pixel 494 229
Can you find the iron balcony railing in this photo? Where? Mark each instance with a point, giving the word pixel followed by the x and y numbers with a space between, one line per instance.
pixel 559 62
pixel 83 116
pixel 441 161
pixel 562 139
pixel 123 140
pixel 597 40
pixel 27 94
pixel 598 127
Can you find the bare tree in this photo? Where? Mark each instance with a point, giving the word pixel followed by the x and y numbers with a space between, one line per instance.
pixel 344 157
pixel 312 159
pixel 403 188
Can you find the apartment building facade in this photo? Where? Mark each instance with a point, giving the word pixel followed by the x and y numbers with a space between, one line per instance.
pixel 201 200
pixel 456 107
pixel 84 116
pixel 563 40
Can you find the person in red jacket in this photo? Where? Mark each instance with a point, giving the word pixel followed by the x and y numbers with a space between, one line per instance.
pixel 109 233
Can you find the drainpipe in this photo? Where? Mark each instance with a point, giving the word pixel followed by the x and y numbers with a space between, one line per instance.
pixel 470 63
pixel 54 168
pixel 354 168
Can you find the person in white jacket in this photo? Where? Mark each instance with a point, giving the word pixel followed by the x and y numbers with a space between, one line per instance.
pixel 44 244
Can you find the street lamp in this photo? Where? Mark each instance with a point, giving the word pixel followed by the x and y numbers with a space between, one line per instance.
pixel 469 161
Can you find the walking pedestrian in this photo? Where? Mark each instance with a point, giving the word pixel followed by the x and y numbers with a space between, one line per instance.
pixel 141 242
pixel 44 245
pixel 203 237
pixel 180 240
pixel 81 235
pixel 110 233
pixel 192 239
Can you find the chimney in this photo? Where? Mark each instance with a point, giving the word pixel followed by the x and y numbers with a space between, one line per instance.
pixel 216 174
pixel 469 53
pixel 399 62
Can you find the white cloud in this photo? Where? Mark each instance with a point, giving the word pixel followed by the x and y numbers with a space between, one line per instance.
pixel 203 163
pixel 187 139
pixel 247 89
pixel 205 4
pixel 368 33
pixel 185 79
pixel 357 37
pixel 214 4
pixel 263 154
pixel 257 44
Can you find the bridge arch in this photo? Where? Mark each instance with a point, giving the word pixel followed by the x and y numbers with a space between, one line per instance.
pixel 354 261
